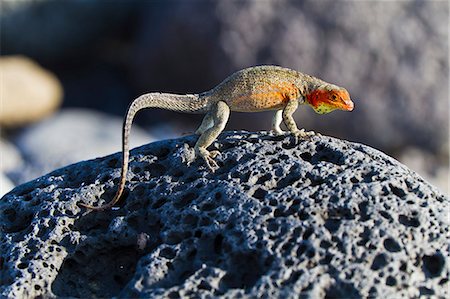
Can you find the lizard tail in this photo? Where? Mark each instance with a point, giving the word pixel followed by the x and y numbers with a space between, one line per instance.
pixel 191 103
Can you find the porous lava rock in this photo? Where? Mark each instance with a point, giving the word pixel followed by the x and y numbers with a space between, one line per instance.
pixel 321 218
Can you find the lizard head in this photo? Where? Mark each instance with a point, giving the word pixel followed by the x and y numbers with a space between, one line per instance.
pixel 328 98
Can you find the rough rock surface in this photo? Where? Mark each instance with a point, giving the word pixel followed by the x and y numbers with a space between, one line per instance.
pixel 324 218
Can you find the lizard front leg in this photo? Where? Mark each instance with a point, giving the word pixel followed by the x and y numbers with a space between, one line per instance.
pixel 289 121
pixel 219 113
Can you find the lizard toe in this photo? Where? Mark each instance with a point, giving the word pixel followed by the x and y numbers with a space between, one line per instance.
pixel 278 132
pixel 212 165
pixel 207 158
pixel 214 154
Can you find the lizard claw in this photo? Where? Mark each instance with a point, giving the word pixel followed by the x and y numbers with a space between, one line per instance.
pixel 277 132
pixel 208 157
pixel 303 134
pixel 214 154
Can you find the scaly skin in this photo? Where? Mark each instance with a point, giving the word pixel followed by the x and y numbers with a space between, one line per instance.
pixel 254 89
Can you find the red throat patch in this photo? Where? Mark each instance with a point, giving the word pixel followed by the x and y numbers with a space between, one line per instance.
pixel 317 97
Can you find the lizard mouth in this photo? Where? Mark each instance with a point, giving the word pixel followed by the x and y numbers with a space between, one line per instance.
pixel 349 106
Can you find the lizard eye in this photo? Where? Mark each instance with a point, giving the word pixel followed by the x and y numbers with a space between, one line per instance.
pixel 333 97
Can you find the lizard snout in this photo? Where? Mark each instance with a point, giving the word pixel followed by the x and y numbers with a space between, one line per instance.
pixel 349 105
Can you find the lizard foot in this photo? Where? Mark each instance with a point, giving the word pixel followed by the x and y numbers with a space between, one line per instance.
pixel 208 157
pixel 303 134
pixel 278 132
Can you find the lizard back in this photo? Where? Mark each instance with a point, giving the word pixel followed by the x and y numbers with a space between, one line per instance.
pixel 260 88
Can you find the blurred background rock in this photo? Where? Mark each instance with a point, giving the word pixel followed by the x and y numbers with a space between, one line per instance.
pixel 391 55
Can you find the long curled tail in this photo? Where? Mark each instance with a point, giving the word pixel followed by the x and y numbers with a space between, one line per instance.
pixel 191 103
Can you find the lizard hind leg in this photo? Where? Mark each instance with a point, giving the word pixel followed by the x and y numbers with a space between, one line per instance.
pixel 219 113
pixel 276 122
pixel 207 123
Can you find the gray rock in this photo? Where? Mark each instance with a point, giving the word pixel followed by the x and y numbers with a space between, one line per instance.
pixel 324 218
pixel 29 92
pixel 70 136
pixel 10 158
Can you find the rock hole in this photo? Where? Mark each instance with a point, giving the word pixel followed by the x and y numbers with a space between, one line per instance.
pixel 289 180
pixel 274 161
pixel 332 224
pixel 168 253
pixel 208 206
pixel 174 295
pixel 161 152
pixel 265 211
pixel 10 214
pixel 218 243
pixel 391 245
pixel 326 259
pixel 308 232
pixel 342 290
pixel 112 163
pixel 159 203
pixel 136 169
pixel 424 291
pixel 315 180
pixel 363 209
pixel 259 193
pixel 306 156
pixel 386 215
pixel 278 213
pixel 261 180
pixel 391 281
pixel 277 138
pixel 301 249
pixel 326 154
pixel 379 262
pixel 369 176
pixel 272 226
pixel 156 169
pixel 433 264
pixel 105 178
pixel 185 200
pixel 174 237
pixel 21 220
pixel 354 180
pixel 409 221
pixel 399 192
pixel 303 215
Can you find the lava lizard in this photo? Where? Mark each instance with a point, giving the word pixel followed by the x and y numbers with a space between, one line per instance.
pixel 253 89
